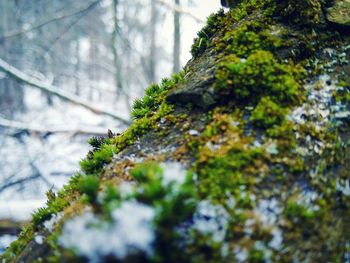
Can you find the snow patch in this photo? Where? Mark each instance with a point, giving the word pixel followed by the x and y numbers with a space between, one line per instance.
pixel 49 224
pixel 5 242
pixel 129 232
pixel 173 173
pixel 211 219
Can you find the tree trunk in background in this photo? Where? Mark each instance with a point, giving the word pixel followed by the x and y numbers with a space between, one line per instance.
pixel 77 68
pixel 11 93
pixel 177 40
pixel 153 44
pixel 116 59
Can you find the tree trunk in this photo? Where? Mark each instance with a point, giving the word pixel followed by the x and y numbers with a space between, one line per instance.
pixel 153 44
pixel 177 40
pixel 11 94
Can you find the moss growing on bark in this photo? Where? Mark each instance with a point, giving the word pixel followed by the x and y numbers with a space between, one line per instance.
pixel 261 176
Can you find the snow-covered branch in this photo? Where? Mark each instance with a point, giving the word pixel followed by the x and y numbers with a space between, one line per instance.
pixel 48 88
pixel 180 10
pixel 51 20
pixel 19 126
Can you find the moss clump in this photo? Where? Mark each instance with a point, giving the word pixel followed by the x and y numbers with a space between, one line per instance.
pixel 202 42
pixel 249 37
pixel 89 186
pixel 97 159
pixel 154 96
pixel 248 80
pixel 295 212
pixel 267 113
pixel 304 12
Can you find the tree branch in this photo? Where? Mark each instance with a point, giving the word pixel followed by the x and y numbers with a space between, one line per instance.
pixel 53 90
pixel 52 20
pixel 19 126
pixel 181 10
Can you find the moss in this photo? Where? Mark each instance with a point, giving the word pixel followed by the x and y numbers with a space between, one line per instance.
pixel 296 212
pixel 97 159
pixel 89 186
pixel 248 37
pixel 155 96
pixel 202 42
pixel 304 12
pixel 16 247
pixel 260 75
pixel 268 114
pixel 256 256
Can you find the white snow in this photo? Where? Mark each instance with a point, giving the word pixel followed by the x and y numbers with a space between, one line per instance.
pixel 39 239
pixel 193 132
pixel 173 173
pixel 211 219
pixel 49 224
pixel 19 210
pixel 343 186
pixel 5 241
pixel 130 231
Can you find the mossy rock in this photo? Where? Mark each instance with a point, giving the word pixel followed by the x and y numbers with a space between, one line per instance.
pixel 339 13
pixel 242 157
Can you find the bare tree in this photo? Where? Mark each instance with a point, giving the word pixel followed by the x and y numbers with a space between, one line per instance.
pixel 177 39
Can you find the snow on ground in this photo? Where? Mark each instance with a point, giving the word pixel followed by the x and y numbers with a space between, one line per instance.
pixel 19 210
pixel 5 241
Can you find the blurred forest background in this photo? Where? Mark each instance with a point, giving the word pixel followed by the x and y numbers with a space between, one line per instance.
pixel 70 70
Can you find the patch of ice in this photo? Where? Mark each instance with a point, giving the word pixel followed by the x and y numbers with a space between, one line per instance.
pixel 129 232
pixel 211 219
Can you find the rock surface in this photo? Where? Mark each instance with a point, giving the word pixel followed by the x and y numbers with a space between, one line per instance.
pixel 339 13
pixel 242 157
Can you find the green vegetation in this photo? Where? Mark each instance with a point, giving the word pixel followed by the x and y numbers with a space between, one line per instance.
pixel 260 75
pixel 214 24
pixel 155 96
pixel 247 157
pixel 268 113
pixel 97 159
pixel 248 37
pixel 89 186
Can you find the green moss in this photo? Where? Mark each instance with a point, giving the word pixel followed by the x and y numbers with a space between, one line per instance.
pixel 96 142
pixel 256 256
pixel 89 186
pixel 296 212
pixel 97 159
pixel 267 114
pixel 202 42
pixel 247 81
pixel 155 96
pixel 41 215
pixel 249 37
pixel 16 247
pixel 71 186
pixel 226 173
pixel 304 12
